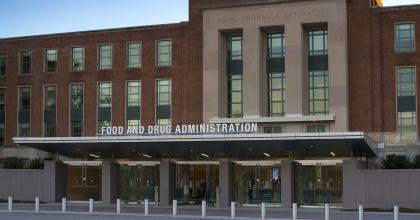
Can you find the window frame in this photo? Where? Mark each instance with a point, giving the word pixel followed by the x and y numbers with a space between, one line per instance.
pixel 396 96
pixel 126 99
pixel 98 103
pixel 20 62
pixel 413 38
pixel 128 54
pixel 44 87
pixel 70 107
pixel 157 99
pixel 5 116
pixel 99 57
pixel 6 56
pixel 157 63
pixel 18 109
pixel 45 66
pixel 71 59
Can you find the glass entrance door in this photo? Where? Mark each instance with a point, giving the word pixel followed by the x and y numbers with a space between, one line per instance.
pixel 258 183
pixel 84 182
pixel 320 184
pixel 138 182
pixel 195 183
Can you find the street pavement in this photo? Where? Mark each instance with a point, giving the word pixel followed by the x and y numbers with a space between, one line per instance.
pixel 80 211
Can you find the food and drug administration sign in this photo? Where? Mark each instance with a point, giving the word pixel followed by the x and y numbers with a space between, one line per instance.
pixel 221 128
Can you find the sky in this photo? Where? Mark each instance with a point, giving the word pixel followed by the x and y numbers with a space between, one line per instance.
pixel 33 17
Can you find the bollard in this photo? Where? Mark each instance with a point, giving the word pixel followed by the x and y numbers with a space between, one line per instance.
pixel 10 201
pixel 232 209
pixel 90 205
pixel 263 210
pixel 146 207
pixel 294 211
pixel 118 206
pixel 37 204
pixel 361 215
pixel 63 205
pixel 396 212
pixel 174 208
pixel 156 196
pixel 203 209
pixel 327 211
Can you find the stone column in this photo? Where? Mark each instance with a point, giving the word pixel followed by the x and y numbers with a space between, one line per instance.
pixel 226 183
pixel 55 180
pixel 287 183
pixel 110 182
pixel 253 79
pixel 167 182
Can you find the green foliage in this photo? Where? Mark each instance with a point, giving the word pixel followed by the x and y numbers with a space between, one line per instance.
pixel 416 162
pixel 13 163
pixel 393 161
pixel 35 164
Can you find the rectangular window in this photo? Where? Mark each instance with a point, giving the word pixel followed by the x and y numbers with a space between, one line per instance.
pixel 50 104
pixel 105 57
pixel 235 79
pixel 76 108
pixel 315 128
pixel 24 112
pixel 275 71
pixel 105 104
pixel 3 64
pixel 163 102
pixel 272 130
pixel 406 102
pixel 133 103
pixel 77 59
pixel 318 73
pixel 26 62
pixel 50 65
pixel 164 53
pixel 134 55
pixel 2 112
pixel 404 38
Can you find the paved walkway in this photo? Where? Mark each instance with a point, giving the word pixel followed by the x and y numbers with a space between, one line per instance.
pixel 80 211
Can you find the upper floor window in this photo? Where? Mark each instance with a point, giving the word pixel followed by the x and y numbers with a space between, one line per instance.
pixel 24 98
pixel 406 101
pixel 2 99
pixel 133 93
pixel 404 37
pixel 318 42
pixel 134 55
pixel 50 60
pixel 25 62
pixel 105 95
pixel 315 128
pixel 164 53
pixel 105 57
pixel 275 45
pixel 77 59
pixel 235 48
pixel 76 96
pixel 50 97
pixel 3 63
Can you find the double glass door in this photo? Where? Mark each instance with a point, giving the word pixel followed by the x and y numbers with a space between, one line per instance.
pixel 196 182
pixel 84 182
pixel 320 184
pixel 258 183
pixel 138 182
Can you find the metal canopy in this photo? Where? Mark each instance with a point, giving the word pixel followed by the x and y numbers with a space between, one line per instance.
pixel 241 146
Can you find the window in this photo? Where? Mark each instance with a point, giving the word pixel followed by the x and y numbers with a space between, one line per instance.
pixel 24 112
pixel 164 93
pixel 164 53
pixel 105 95
pixel 2 134
pixel 133 93
pixel 318 74
pixel 26 62
pixel 315 128
pixel 406 102
pixel 276 80
pixel 235 79
pixel 134 55
pixel 50 65
pixel 404 38
pixel 105 57
pixel 3 64
pixel 76 108
pixel 50 111
pixel 2 112
pixel 76 96
pixel 272 130
pixel 77 59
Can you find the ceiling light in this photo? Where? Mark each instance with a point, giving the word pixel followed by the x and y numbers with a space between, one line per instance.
pixel 93 155
pixel 267 155
pixel 205 155
pixel 146 155
pixel 332 154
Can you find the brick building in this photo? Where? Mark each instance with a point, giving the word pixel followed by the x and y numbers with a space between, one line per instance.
pixel 249 101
